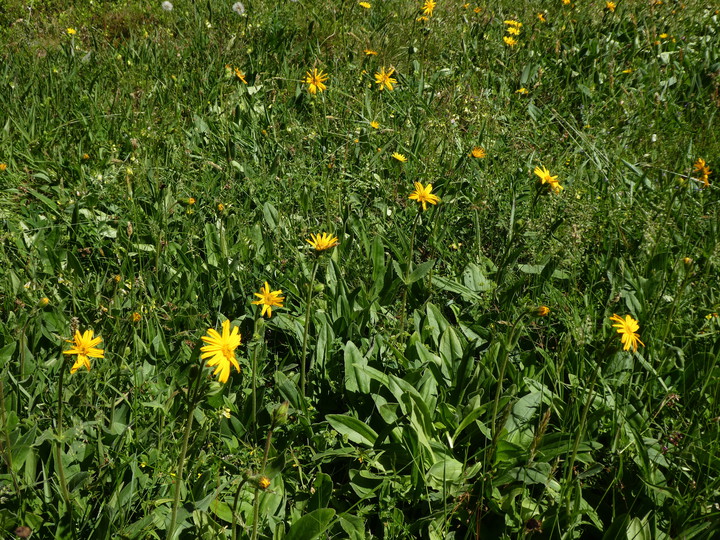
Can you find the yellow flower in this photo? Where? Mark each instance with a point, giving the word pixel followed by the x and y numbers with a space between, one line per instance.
pixel 263 482
pixel 3 167
pixel 627 328
pixel 522 90
pixel 513 31
pixel 428 7
pixel 268 299
pixel 240 75
pixel 701 166
pixel 663 36
pixel 400 157
pixel 84 347
pixel 44 301
pixel 515 24
pixel 366 5
pixel 71 31
pixel 510 41
pixel 384 79
pixel 315 81
pixel 370 52
pixel 322 241
pixel 220 207
pixel 610 6
pixel 566 2
pixel 375 124
pixel 136 317
pixel 542 311
pixel 424 195
pixel 541 17
pixel 86 156
pixel 191 201
pixel 545 178
pixel 422 18
pixel 626 71
pixel 221 350
pixel 478 152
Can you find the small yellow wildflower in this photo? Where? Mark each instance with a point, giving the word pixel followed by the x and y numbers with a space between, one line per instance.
pixel 513 23
pixel 546 178
pixel 136 317
pixel 263 482
pixel 84 346
pixel 375 124
pixel 610 6
pixel 268 300
pixel 220 349
pixel 478 152
pixel 370 52
pixel 71 31
pixel 522 90
pixel 541 17
pixel 510 41
pixel 428 7
pixel 191 201
pixel 400 157
pixel 316 81
pixel 240 75
pixel 3 167
pixel 366 5
pixel 566 2
pixel 384 79
pixel 542 311
pixel 221 207
pixel 44 301
pixel 322 241
pixel 424 195
pixel 513 31
pixel 627 328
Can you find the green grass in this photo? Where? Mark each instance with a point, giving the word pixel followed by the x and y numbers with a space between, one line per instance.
pixel 438 404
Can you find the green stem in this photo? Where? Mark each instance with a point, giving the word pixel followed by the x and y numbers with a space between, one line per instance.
pixel 192 401
pixel 407 273
pixel 59 444
pixel 307 327
pixel 253 378
pixel 256 501
pixel 235 505
pixel 7 450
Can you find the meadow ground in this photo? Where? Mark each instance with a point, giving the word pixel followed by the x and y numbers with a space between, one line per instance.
pixel 453 265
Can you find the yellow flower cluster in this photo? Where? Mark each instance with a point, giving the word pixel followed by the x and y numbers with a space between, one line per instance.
pixel 513 29
pixel 703 171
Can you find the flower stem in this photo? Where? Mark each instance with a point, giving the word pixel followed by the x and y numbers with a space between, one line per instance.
pixel 407 273
pixel 308 305
pixel 192 401
pixel 235 505
pixel 256 501
pixel 59 444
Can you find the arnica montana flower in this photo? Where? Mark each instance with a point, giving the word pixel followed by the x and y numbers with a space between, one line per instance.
pixel 703 171
pixel 365 5
pixel 322 241
pixel 610 6
pixel 268 299
pixel 240 75
pixel 316 81
pixel 220 349
pixel 424 195
pixel 84 346
pixel 551 181
pixel 510 41
pixel 428 7
pixel 400 157
pixel 478 152
pixel 627 328
pixel 384 79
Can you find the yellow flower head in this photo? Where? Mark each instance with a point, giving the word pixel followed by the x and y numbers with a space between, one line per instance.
pixel 268 300
pixel 513 23
pixel 627 328
pixel 136 316
pixel 263 482
pixel 542 311
pixel 545 178
pixel 240 75
pixel 375 124
pixel 610 6
pixel 566 2
pixel 220 349
pixel 3 167
pixel 424 195
pixel 428 7
pixel 370 52
pixel 191 201
pixel 510 41
pixel 513 31
pixel 522 90
pixel 315 81
pixel 478 152
pixel 322 241
pixel 400 157
pixel 84 347
pixel 71 31
pixel 541 17
pixel 366 5
pixel 384 79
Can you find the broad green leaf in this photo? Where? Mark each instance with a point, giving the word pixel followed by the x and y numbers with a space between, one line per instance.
pixel 356 430
pixel 311 525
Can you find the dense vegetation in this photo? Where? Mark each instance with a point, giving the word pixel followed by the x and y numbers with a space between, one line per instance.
pixel 449 367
